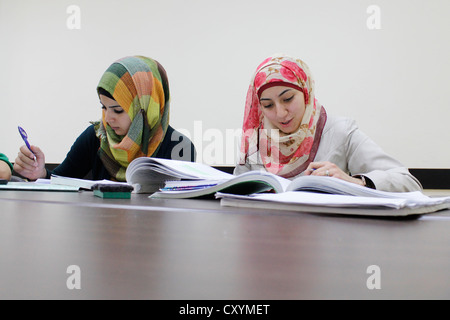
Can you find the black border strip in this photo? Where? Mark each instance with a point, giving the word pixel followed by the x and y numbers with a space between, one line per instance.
pixel 432 178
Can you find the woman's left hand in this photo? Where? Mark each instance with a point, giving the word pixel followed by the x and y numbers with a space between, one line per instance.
pixel 329 169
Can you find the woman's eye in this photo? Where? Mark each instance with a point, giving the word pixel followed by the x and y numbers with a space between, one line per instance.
pixel 118 111
pixel 267 105
pixel 288 99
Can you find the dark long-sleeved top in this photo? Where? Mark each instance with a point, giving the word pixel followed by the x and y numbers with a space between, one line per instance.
pixel 83 156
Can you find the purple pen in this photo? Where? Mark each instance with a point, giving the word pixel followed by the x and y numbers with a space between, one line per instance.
pixel 24 135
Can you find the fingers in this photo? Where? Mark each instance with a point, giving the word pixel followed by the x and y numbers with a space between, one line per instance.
pixel 324 168
pixel 26 165
pixel 22 170
pixel 38 154
pixel 329 169
pixel 25 158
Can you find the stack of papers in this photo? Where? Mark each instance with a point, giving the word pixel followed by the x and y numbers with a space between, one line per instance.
pixel 403 204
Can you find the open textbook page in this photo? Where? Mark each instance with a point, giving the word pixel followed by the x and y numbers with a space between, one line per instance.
pixel 38 185
pixel 246 183
pixel 148 175
pixel 80 183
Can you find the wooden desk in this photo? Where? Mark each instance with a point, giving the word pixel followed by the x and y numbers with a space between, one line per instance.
pixel 195 249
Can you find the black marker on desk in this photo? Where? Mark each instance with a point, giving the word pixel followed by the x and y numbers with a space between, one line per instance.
pixel 112 191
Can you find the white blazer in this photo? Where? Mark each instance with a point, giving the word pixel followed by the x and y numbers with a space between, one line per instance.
pixel 343 144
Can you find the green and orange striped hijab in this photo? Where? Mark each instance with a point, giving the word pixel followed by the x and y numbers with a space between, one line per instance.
pixel 140 86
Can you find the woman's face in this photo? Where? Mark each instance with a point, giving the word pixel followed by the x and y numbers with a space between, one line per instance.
pixel 283 107
pixel 115 115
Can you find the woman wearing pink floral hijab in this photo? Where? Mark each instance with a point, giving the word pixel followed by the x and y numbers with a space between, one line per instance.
pixel 287 131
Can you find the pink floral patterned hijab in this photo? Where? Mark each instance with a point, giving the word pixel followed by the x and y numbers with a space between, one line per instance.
pixel 283 155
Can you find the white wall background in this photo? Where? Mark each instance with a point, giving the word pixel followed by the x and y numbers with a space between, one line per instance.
pixel 394 81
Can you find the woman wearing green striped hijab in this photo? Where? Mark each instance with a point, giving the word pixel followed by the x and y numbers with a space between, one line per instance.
pixel 134 96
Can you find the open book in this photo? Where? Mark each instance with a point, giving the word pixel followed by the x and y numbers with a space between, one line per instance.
pixel 260 189
pixel 149 175
pixel 181 179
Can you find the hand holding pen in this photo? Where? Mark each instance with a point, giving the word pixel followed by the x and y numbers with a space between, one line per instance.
pixel 30 161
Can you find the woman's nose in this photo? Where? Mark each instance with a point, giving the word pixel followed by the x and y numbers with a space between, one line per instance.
pixel 109 116
pixel 281 111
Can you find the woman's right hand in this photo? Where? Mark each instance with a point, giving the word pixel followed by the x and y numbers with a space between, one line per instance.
pixel 26 166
